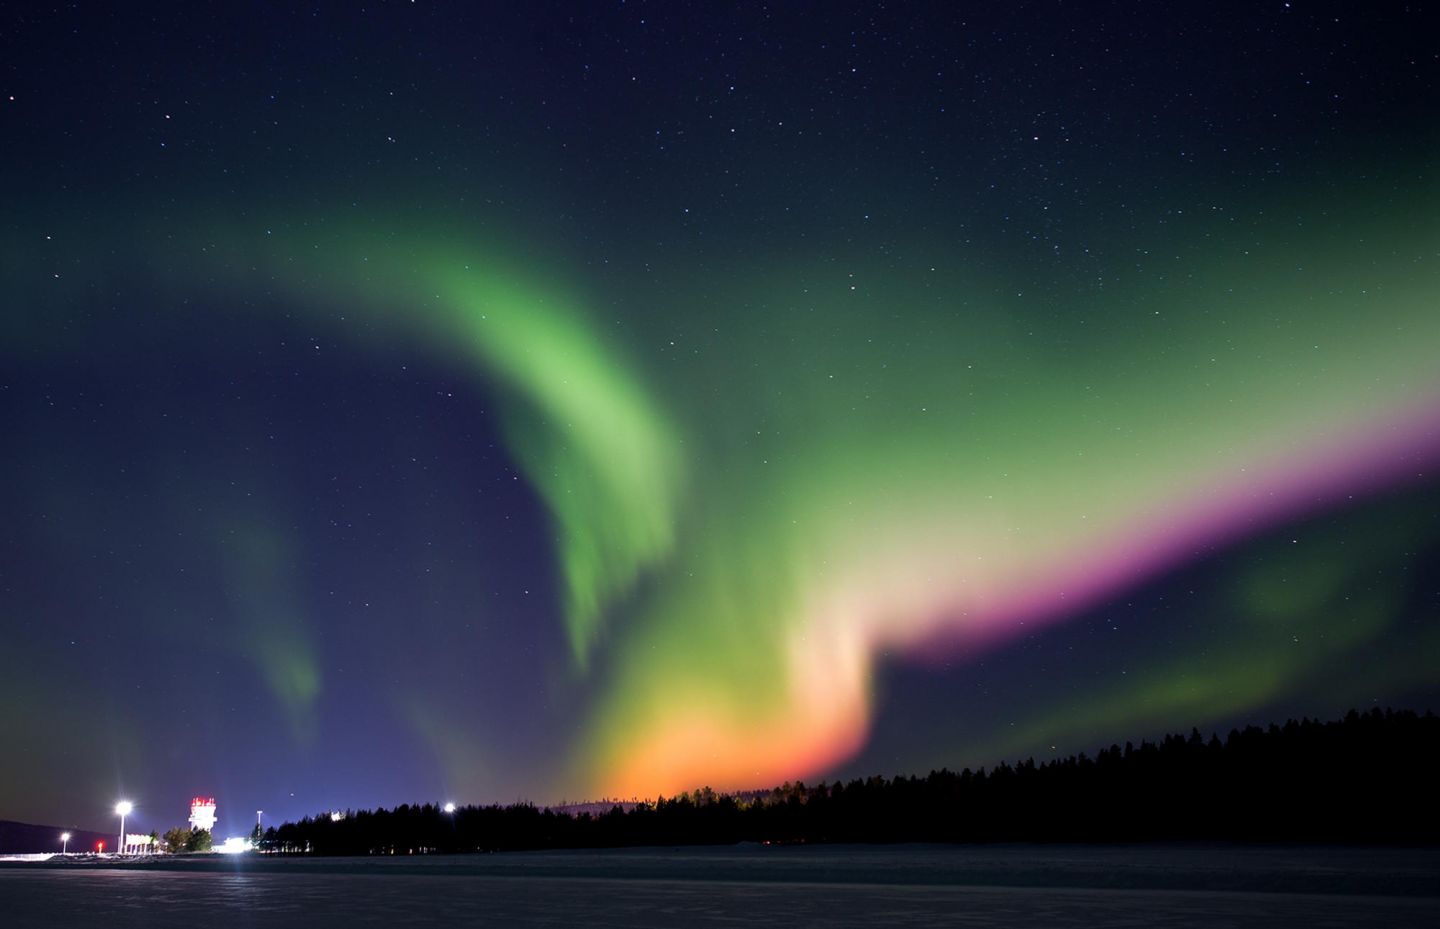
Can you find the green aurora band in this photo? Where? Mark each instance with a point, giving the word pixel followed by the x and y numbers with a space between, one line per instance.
pixel 836 461
pixel 596 447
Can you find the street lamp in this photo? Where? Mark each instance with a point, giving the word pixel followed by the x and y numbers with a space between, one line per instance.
pixel 122 809
pixel 64 842
pixel 449 807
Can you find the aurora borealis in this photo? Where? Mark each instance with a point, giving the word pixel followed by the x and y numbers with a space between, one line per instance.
pixel 421 402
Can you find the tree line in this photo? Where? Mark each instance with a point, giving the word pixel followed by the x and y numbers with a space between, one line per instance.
pixel 184 839
pixel 1367 778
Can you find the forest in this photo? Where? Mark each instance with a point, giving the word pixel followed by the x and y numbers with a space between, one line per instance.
pixel 1367 778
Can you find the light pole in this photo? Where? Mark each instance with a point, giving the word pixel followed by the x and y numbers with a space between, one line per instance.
pixel 64 842
pixel 122 809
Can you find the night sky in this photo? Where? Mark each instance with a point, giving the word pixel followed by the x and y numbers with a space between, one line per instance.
pixel 484 402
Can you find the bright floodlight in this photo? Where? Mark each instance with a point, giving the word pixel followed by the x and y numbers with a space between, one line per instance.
pixel 449 807
pixel 122 809
pixel 64 837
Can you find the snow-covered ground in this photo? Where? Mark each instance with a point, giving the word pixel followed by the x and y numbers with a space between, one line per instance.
pixel 978 886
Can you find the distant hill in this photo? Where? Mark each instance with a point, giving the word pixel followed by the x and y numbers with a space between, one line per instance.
pixel 592 807
pixel 601 807
pixel 29 839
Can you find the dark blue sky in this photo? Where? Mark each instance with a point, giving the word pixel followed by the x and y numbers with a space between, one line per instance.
pixel 479 402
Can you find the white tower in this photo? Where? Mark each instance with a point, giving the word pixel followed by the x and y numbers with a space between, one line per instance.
pixel 202 814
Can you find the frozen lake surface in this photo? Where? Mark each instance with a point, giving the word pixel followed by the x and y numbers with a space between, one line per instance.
pixel 798 886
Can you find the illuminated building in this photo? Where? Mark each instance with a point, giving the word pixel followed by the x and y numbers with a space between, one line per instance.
pixel 202 813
